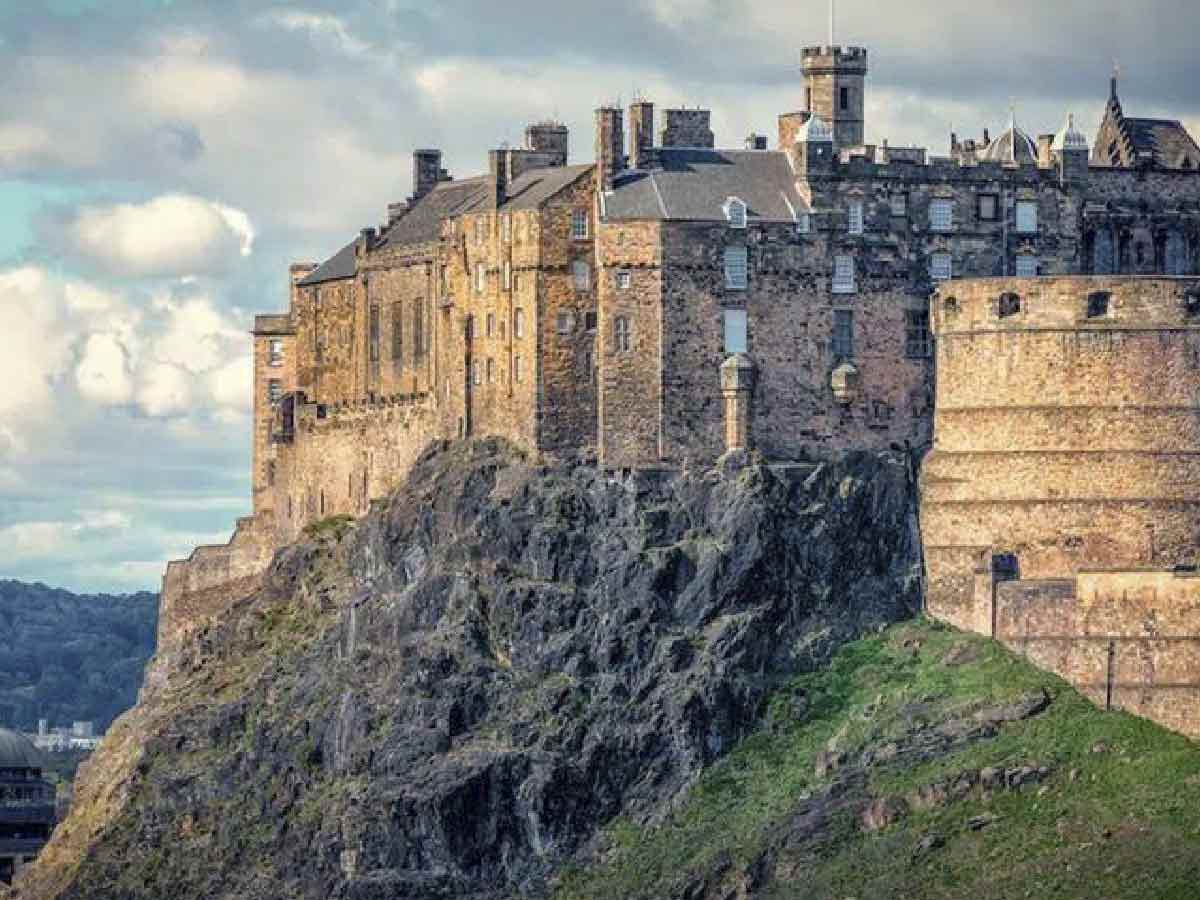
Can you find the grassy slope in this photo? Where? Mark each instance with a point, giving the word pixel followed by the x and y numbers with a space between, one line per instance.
pixel 1118 824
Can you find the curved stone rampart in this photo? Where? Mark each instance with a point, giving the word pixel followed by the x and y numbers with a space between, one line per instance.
pixel 1066 444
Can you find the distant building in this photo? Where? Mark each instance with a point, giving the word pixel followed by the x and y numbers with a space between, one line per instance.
pixel 27 810
pixel 80 736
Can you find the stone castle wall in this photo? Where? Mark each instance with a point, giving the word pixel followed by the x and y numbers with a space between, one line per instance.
pixel 338 459
pixel 1066 450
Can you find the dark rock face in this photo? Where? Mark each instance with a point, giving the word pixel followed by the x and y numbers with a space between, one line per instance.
pixel 451 699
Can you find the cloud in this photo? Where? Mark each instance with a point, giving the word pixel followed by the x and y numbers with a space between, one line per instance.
pixel 103 373
pixel 24 541
pixel 174 234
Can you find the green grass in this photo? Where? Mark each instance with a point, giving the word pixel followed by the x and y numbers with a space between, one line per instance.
pixel 1126 826
pixel 334 526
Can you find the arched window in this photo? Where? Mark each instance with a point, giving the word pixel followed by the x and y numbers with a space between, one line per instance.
pixel 621 333
pixel 735 212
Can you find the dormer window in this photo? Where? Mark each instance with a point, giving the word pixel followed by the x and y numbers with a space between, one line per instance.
pixel 735 212
pixel 803 223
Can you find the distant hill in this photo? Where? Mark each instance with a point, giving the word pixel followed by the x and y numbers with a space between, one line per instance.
pixel 68 657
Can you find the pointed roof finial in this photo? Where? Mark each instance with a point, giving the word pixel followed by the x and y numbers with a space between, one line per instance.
pixel 1116 76
pixel 1012 125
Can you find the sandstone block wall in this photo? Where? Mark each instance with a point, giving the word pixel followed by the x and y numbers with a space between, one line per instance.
pixel 1061 492
pixel 340 458
pixel 201 587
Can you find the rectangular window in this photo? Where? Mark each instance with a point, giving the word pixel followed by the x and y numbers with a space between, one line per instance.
pixel 420 344
pixel 479 231
pixel 735 268
pixel 621 333
pixel 1027 266
pixel 941 267
pixel 477 373
pixel 564 323
pixel 989 207
pixel 842 343
pixel 491 370
pixel 735 331
pixel 1027 217
pixel 803 223
pixel 517 373
pixel 844 98
pixel 480 277
pixel 589 321
pixel 941 215
pixel 490 326
pixel 519 323
pixel 856 217
pixel 579 225
pixel 275 352
pixel 274 391
pixel 843 275
pixel 397 332
pixel 506 227
pixel 623 281
pixel 583 275
pixel 899 204
pixel 917 343
pixel 374 334
pixel 508 275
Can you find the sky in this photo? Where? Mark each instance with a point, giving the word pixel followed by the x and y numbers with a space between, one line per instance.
pixel 163 161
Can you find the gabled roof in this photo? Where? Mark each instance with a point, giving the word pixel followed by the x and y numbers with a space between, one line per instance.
pixel 423 223
pixel 1167 140
pixel 533 188
pixel 693 184
pixel 1127 142
pixel 340 265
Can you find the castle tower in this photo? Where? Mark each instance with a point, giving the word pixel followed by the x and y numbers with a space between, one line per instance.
pixel 737 387
pixel 835 89
pixel 1070 153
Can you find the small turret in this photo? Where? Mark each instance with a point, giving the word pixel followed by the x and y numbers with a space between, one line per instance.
pixel 812 153
pixel 1070 153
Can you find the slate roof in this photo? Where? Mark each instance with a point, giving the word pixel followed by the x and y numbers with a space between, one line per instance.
pixel 422 224
pixel 692 184
pixel 340 265
pixel 17 751
pixel 533 188
pixel 1168 140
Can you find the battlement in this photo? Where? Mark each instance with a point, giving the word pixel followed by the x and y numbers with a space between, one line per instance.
pixel 1066 303
pixel 847 60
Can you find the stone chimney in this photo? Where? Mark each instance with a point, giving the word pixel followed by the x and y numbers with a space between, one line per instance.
pixel 549 137
pixel 688 128
pixel 641 133
pixel 610 146
pixel 427 172
pixel 497 177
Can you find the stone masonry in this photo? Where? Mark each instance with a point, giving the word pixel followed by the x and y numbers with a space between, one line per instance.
pixel 667 303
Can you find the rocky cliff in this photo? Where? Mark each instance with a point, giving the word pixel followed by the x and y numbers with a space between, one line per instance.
pixel 453 696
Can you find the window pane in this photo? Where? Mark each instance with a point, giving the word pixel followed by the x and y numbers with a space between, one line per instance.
pixel 1027 266
pixel 735 331
pixel 856 217
pixel 735 268
pixel 1027 217
pixel 843 275
pixel 583 275
pixel 917 342
pixel 842 344
pixel 941 266
pixel 941 215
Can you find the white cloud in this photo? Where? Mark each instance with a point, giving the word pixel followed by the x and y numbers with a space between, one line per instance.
pixel 164 390
pixel 319 25
pixel 23 541
pixel 103 373
pixel 174 234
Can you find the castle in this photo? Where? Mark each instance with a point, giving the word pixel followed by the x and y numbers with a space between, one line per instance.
pixel 669 303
